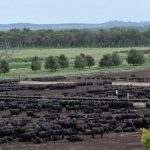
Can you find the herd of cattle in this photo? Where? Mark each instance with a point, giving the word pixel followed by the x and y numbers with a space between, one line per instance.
pixel 39 121
pixel 77 114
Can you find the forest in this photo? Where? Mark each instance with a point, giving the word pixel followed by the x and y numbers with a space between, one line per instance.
pixel 115 37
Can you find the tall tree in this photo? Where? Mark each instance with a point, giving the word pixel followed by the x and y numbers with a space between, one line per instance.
pixel 115 37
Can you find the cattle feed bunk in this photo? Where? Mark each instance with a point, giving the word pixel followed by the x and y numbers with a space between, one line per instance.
pixel 70 111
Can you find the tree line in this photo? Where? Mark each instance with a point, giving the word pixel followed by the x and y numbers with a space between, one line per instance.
pixel 134 57
pixel 53 63
pixel 81 61
pixel 116 37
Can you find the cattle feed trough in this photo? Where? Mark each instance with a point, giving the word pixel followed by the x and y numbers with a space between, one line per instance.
pixel 139 105
pixel 140 84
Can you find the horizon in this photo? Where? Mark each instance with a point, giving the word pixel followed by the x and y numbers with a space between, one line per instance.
pixel 76 23
pixel 79 11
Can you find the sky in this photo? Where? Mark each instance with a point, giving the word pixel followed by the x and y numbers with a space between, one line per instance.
pixel 73 11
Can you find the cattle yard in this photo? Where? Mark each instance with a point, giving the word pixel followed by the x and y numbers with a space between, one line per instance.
pixel 84 112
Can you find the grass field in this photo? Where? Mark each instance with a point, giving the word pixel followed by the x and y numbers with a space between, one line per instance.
pixel 97 53
pixel 20 61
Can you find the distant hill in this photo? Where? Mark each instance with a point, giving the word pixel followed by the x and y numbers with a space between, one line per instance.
pixel 107 25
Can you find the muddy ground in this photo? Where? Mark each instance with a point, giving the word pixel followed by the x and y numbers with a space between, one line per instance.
pixel 113 141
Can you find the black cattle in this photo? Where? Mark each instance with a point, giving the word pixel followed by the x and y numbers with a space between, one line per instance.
pixel 56 137
pixel 27 137
pixel 43 134
pixel 74 138
pixel 75 115
pixel 105 108
pixel 147 115
pixel 69 132
pixel 129 129
pixel 38 140
pixel 146 122
pixel 3 140
pixel 107 116
pixel 51 116
pixel 72 108
pixel 138 123
pixel 30 113
pixel 67 123
pixel 118 130
pixel 14 111
pixel 98 130
pixel 7 131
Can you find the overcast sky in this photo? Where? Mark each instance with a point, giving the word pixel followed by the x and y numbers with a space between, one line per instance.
pixel 73 11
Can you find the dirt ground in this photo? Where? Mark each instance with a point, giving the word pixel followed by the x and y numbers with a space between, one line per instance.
pixel 42 83
pixel 113 141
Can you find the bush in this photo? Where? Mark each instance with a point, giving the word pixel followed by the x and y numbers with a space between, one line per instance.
pixel 116 59
pixel 36 64
pixel 106 61
pixel 90 61
pixel 4 66
pixel 146 139
pixel 79 62
pixel 63 61
pixel 51 63
pixel 135 57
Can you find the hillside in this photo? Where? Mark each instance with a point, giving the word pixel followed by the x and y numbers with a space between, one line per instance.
pixel 107 25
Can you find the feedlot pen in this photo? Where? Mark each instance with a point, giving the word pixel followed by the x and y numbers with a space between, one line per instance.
pixel 90 101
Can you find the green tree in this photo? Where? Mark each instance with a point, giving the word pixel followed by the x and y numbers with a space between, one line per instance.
pixel 36 64
pixel 135 57
pixel 116 59
pixel 106 61
pixel 90 61
pixel 4 66
pixel 115 37
pixel 79 62
pixel 51 63
pixel 63 61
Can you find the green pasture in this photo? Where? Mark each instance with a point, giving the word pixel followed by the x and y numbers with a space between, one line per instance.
pixel 20 60
pixel 97 53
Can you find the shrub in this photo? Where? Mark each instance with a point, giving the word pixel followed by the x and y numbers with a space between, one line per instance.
pixel 36 64
pixel 4 66
pixel 145 139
